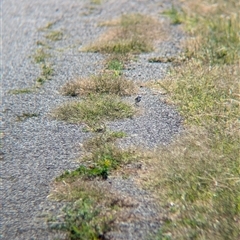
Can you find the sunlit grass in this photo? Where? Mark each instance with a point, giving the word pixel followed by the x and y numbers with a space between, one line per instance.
pixel 132 33
pixel 197 177
pixel 109 82
pixel 94 109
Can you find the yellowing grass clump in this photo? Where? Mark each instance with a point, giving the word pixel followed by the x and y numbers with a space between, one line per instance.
pixel 94 110
pixel 107 83
pixel 133 33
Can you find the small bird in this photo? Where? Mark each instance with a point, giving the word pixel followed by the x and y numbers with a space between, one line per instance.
pixel 138 99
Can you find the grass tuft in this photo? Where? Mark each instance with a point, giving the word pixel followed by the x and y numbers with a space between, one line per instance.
pixel 97 2
pixel 102 157
pixel 107 83
pixel 115 63
pixel 94 110
pixel 22 91
pixel 40 56
pixel 25 116
pixel 93 209
pixel 46 73
pixel 54 36
pixel 174 15
pixel 128 35
pixel 87 215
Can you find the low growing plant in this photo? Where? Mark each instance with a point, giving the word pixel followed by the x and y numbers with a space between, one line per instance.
pixel 94 109
pixel 128 35
pixel 105 83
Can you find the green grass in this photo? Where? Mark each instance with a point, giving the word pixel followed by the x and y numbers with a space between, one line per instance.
pixel 54 35
pixel 102 156
pixel 22 91
pixel 46 73
pixel 128 35
pixel 94 110
pixel 115 64
pixel 105 83
pixel 41 55
pixel 197 177
pixel 174 15
pixel 98 2
pixel 25 116
pixel 82 217
pixel 92 209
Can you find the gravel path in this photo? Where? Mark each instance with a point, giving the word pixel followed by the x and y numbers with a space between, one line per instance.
pixel 35 150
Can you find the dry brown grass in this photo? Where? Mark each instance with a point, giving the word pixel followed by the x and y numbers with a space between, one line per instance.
pixel 196 178
pixel 106 83
pixel 132 33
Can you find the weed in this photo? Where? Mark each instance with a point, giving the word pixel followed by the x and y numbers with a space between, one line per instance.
pixel 48 26
pixel 24 116
pixel 101 139
pixel 96 2
pixel 102 157
pixel 40 56
pixel 174 15
pixel 128 36
pixel 107 83
pixel 94 109
pixel 115 64
pixel 22 91
pixel 40 80
pixel 93 209
pixel 54 36
pixel 83 218
pixel 47 71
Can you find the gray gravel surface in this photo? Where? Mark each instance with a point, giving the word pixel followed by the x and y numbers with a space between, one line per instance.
pixel 35 150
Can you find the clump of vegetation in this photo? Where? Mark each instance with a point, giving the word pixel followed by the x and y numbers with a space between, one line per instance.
pixel 133 33
pixel 94 110
pixel 46 74
pixel 26 115
pixel 98 2
pixel 197 177
pixel 48 26
pixel 105 83
pixel 88 215
pixel 22 91
pixel 103 156
pixel 116 63
pixel 54 36
pixel 92 210
pixel 41 55
pixel 174 15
